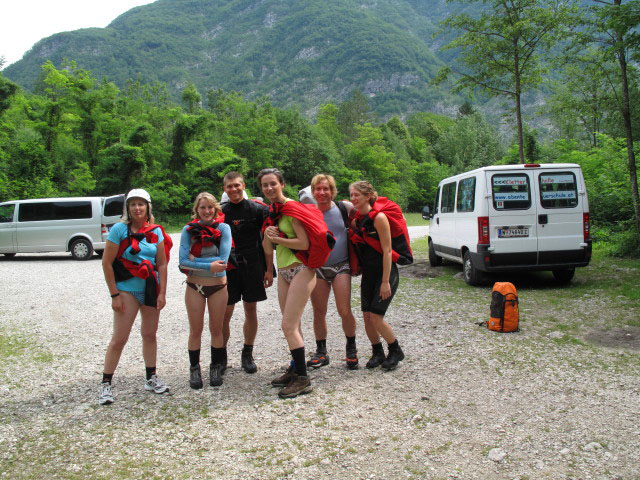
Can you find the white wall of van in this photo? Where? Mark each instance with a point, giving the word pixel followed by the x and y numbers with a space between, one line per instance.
pixel 512 217
pixel 76 224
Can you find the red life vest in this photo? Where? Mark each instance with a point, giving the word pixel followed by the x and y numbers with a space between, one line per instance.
pixel 206 236
pixel 125 269
pixel 400 244
pixel 321 240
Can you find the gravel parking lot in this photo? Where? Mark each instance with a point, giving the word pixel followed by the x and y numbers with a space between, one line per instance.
pixel 465 404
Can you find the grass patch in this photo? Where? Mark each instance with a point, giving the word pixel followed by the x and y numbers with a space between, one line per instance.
pixel 18 345
pixel 415 220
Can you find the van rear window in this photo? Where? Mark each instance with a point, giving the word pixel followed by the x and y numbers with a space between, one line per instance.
pixel 466 195
pixel 40 211
pixel 114 206
pixel 511 192
pixel 558 190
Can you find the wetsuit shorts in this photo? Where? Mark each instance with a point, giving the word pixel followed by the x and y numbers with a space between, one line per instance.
pixel 370 290
pixel 246 282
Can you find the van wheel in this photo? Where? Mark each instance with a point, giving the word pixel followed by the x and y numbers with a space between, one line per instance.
pixel 434 260
pixel 564 276
pixel 81 249
pixel 9 255
pixel 472 276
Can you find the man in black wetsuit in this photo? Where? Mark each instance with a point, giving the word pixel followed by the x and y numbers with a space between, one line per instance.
pixel 246 282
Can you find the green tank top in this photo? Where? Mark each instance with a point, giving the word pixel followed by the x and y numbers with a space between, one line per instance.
pixel 284 255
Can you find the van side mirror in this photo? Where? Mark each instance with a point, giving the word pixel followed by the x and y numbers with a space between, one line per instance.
pixel 426 212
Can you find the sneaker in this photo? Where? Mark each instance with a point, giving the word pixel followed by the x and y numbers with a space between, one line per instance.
pixel 248 365
pixel 155 385
pixel 352 358
pixel 392 360
pixel 215 374
pixel 376 359
pixel 319 359
pixel 284 379
pixel 298 385
pixel 195 377
pixel 106 394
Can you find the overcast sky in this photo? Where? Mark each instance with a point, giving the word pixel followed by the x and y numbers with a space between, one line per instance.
pixel 24 22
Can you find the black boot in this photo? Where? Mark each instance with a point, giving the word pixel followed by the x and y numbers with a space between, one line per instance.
pixel 378 356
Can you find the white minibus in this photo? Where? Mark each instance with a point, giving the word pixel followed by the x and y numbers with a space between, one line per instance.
pixel 511 218
pixel 78 225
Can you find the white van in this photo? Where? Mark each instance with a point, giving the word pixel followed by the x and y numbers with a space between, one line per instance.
pixel 510 218
pixel 78 225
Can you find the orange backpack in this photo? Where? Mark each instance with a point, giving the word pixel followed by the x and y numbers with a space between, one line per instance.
pixel 505 315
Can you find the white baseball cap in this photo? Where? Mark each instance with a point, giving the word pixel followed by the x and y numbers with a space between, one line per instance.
pixel 139 193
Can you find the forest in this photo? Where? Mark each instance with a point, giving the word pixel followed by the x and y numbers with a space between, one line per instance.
pixel 77 135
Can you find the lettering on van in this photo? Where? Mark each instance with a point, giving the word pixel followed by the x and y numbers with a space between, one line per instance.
pixel 508 181
pixel 558 195
pixel 549 179
pixel 511 196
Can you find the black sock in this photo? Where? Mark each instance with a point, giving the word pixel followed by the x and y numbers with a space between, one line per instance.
pixel 377 348
pixel 216 356
pixel 224 357
pixel 106 378
pixel 247 349
pixel 300 364
pixel 351 341
pixel 150 371
pixel 321 345
pixel 394 346
pixel 194 357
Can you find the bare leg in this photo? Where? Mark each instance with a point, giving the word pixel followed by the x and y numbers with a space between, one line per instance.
pixel 195 304
pixel 319 301
pixel 217 306
pixel 148 330
pixel 226 328
pixel 122 323
pixel 295 299
pixel 342 294
pixel 370 329
pixel 250 327
pixel 381 327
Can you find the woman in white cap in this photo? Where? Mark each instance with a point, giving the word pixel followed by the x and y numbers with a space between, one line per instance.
pixel 135 269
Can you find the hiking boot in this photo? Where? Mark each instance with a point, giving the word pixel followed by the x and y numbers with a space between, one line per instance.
pixel 298 385
pixel 284 379
pixel 352 358
pixel 155 385
pixel 195 377
pixel 248 365
pixel 106 394
pixel 376 359
pixel 223 368
pixel 318 359
pixel 215 374
pixel 391 362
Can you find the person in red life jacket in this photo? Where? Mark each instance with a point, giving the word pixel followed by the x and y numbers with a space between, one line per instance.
pixel 247 281
pixel 379 275
pixel 295 280
pixel 334 273
pixel 135 269
pixel 205 245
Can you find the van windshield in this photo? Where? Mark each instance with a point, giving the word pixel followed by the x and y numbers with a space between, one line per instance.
pixel 511 191
pixel 558 190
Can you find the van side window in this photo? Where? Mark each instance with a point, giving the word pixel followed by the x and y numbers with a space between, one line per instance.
pixel 114 206
pixel 6 213
pixel 39 211
pixel 466 195
pixel 448 198
pixel 558 190
pixel 511 191
pixel 435 206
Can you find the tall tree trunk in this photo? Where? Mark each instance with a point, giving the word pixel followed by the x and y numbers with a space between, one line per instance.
pixel 626 116
pixel 516 69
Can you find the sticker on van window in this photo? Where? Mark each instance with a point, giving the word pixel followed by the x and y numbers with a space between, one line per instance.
pixel 508 181
pixel 547 179
pixel 511 196
pixel 562 195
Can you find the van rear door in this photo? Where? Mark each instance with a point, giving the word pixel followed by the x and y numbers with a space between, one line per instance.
pixel 561 195
pixel 112 208
pixel 8 228
pixel 512 217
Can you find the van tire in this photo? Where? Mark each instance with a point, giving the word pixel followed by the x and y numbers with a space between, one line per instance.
pixel 434 260
pixel 81 249
pixel 472 276
pixel 9 255
pixel 564 276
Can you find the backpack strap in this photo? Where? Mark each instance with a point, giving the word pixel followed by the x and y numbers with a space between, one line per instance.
pixel 345 214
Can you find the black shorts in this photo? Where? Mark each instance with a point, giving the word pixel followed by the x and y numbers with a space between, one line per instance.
pixel 370 290
pixel 246 282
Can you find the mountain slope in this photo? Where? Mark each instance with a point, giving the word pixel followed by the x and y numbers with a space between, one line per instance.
pixel 302 52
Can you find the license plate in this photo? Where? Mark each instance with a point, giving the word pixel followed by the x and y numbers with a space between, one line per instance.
pixel 513 232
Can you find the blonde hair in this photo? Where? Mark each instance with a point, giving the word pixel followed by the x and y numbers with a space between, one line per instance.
pixel 330 180
pixel 365 188
pixel 125 214
pixel 208 197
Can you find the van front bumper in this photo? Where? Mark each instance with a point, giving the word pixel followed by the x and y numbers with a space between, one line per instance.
pixel 488 261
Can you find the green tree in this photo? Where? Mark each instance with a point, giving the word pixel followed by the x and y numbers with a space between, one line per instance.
pixel 353 112
pixel 501 47
pixel 191 98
